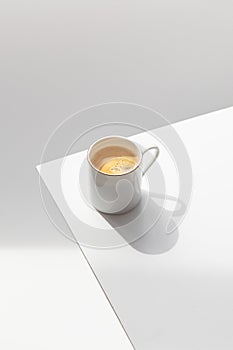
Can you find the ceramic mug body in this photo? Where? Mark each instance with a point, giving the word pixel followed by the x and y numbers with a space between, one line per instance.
pixel 116 193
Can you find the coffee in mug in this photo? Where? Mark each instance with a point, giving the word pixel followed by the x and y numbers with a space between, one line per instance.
pixel 115 160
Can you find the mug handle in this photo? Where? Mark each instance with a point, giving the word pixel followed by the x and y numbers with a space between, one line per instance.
pixel 153 160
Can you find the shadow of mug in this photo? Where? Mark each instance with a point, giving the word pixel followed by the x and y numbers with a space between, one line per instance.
pixel 140 222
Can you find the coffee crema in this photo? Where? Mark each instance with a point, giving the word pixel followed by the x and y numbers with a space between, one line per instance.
pixel 115 160
pixel 118 165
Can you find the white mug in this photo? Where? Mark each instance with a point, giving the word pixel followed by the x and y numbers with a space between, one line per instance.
pixel 117 193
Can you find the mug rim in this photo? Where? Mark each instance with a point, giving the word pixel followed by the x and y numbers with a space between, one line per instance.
pixel 109 137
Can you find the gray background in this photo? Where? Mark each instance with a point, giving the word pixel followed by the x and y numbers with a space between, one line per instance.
pixel 57 57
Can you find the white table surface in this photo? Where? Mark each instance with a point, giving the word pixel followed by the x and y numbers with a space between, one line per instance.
pixel 183 299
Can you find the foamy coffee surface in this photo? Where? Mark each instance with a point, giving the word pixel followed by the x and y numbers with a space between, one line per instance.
pixel 118 165
pixel 115 160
